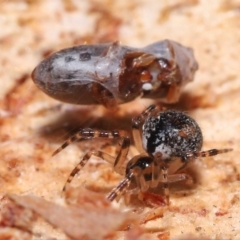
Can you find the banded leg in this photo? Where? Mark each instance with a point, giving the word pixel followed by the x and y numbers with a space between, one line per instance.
pixel 124 145
pixel 89 133
pixel 166 178
pixel 117 161
pixel 83 162
pixel 208 153
pixel 141 183
pixel 121 187
pixel 137 123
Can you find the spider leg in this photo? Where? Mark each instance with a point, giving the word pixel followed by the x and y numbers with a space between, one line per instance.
pixel 164 171
pixel 120 188
pixel 155 174
pixel 208 153
pixel 89 133
pixel 142 184
pixel 161 173
pixel 137 123
pixel 167 178
pixel 117 161
pixel 83 162
pixel 190 157
pixel 178 177
pixel 124 145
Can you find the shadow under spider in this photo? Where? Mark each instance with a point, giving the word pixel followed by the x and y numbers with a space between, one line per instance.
pixel 74 119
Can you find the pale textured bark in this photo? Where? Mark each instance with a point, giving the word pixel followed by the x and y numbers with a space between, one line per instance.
pixel 34 125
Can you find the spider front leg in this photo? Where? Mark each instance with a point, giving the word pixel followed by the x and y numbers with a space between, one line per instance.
pixel 142 184
pixel 121 187
pixel 137 123
pixel 87 134
pixel 138 168
pixel 135 169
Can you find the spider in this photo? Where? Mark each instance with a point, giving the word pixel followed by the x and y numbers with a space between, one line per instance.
pixel 167 141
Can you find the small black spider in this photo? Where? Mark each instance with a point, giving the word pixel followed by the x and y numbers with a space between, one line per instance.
pixel 166 140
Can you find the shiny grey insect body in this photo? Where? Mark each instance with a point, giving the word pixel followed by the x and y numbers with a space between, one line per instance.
pixel 166 141
pixel 112 74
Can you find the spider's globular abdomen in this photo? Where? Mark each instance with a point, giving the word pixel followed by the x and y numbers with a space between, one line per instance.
pixel 173 134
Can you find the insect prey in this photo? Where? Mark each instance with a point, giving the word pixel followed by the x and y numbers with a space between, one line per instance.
pixel 112 74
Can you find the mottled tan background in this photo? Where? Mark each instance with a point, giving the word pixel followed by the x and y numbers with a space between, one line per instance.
pixel 33 125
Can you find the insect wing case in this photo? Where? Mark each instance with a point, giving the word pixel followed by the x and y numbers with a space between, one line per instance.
pixel 82 74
